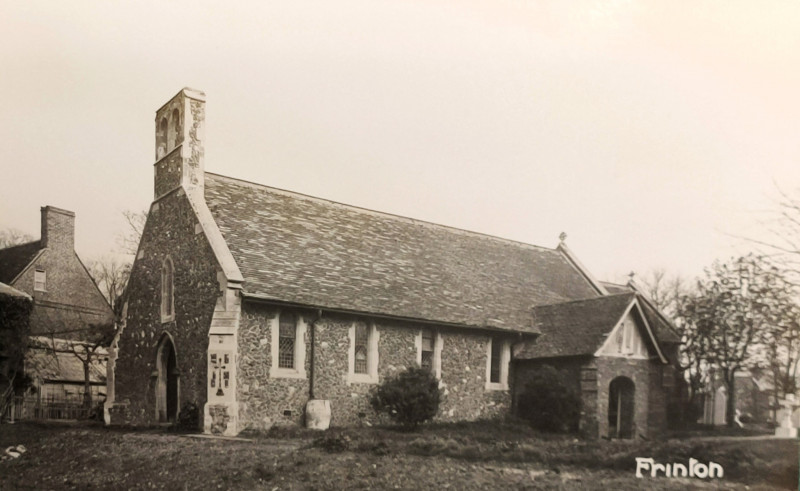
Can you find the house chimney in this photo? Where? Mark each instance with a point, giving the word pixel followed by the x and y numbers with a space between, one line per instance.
pixel 180 130
pixel 58 228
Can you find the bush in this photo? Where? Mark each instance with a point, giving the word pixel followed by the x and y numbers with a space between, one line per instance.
pixel 549 402
pixel 189 417
pixel 410 398
pixel 333 442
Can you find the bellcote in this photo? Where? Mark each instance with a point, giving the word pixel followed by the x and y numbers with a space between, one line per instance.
pixel 180 131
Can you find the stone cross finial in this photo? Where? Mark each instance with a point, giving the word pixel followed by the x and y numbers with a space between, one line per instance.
pixel 631 275
pixel 562 236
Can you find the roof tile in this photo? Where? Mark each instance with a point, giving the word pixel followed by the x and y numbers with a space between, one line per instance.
pixel 295 248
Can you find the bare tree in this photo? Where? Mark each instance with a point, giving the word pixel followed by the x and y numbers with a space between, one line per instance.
pixel 100 336
pixel 129 241
pixel 111 275
pixel 670 294
pixel 782 234
pixel 11 237
pixel 664 290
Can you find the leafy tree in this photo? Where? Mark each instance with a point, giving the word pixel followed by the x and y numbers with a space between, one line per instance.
pixel 779 350
pixel 730 315
pixel 410 398
pixel 549 402
pixel 14 328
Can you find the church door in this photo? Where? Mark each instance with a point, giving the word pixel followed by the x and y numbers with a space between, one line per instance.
pixel 167 382
pixel 620 408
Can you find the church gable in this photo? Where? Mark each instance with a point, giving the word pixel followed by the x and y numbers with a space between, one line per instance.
pixel 626 339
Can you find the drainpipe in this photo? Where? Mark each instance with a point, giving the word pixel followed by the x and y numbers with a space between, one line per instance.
pixel 313 355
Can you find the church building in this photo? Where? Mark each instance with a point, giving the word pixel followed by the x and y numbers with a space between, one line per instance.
pixel 248 301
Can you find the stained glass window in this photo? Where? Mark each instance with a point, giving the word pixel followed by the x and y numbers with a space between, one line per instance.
pixel 286 340
pixel 361 348
pixel 426 361
pixel 497 351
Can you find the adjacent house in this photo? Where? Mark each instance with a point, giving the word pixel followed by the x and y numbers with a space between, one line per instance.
pixel 66 300
pixel 248 301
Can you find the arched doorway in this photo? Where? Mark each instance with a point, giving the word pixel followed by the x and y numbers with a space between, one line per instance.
pixel 167 381
pixel 620 408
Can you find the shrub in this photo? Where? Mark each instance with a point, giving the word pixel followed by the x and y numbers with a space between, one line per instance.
pixel 189 417
pixel 410 398
pixel 549 402
pixel 333 442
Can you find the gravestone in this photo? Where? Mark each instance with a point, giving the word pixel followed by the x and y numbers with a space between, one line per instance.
pixel 786 428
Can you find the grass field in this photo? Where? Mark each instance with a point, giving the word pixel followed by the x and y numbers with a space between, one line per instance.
pixel 455 456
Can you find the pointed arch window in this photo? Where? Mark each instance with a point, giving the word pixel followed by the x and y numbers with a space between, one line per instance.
pixel 161 139
pixel 177 130
pixel 167 291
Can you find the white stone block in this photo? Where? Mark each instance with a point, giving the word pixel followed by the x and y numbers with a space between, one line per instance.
pixel 784 432
pixel 318 414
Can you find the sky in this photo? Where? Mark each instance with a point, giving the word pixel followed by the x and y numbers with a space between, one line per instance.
pixel 653 133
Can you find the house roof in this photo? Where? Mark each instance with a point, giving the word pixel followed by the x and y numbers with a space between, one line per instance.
pixel 304 250
pixel 14 259
pixel 8 291
pixel 52 360
pixel 575 328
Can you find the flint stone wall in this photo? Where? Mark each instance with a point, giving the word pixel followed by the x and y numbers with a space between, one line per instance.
pixel 170 230
pixel 265 401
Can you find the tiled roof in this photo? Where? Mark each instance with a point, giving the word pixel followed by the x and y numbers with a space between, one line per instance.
pixel 575 328
pixel 60 364
pixel 665 333
pixel 14 259
pixel 295 248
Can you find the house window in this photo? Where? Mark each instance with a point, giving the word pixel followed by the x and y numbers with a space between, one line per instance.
pixel 286 341
pixel 167 291
pixel 40 280
pixel 288 346
pixel 363 355
pixel 497 360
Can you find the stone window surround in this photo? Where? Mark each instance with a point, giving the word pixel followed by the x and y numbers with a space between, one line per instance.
pixel 40 280
pixel 299 370
pixel 167 273
pixel 505 359
pixel 437 350
pixel 371 377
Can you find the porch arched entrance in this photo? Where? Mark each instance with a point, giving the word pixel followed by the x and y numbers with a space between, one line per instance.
pixel 621 394
pixel 167 381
